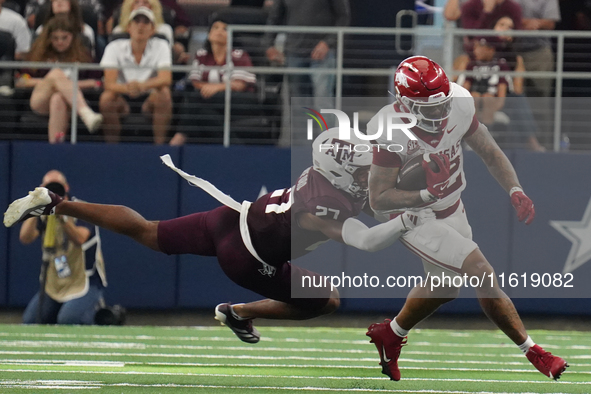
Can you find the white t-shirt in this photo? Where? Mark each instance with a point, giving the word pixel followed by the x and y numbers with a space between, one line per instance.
pixel 164 29
pixel 118 54
pixel 16 25
pixel 87 31
pixel 461 122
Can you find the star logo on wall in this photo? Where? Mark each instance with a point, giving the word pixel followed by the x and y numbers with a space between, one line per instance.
pixel 579 233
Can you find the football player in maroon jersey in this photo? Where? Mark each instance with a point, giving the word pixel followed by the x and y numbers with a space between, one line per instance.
pixel 254 242
pixel 445 115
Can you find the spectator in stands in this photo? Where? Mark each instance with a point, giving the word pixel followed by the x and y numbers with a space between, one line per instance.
pixel 479 14
pixel 72 276
pixel 200 116
pixel 53 90
pixel 180 56
pixel 71 8
pixel 16 25
pixel 125 81
pixel 518 110
pixel 314 51
pixel 489 88
pixel 180 20
pixel 575 15
pixel 33 7
pixel 537 51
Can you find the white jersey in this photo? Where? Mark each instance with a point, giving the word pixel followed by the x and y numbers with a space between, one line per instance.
pixel 461 122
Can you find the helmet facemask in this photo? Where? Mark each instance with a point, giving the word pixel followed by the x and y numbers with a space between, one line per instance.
pixel 430 112
pixel 340 162
pixel 355 188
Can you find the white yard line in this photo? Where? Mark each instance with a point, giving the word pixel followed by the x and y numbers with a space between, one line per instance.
pixel 300 366
pixel 294 388
pixel 140 373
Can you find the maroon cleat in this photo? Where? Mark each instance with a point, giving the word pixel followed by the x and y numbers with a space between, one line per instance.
pixel 545 362
pixel 39 202
pixel 389 346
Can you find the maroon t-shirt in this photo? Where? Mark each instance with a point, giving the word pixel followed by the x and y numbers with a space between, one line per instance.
pixel 205 58
pixel 272 219
pixel 490 76
pixel 474 17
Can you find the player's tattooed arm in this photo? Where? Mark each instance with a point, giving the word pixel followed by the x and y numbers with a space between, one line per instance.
pixel 497 162
pixel 383 195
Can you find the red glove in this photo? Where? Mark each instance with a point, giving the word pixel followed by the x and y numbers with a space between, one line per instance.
pixel 523 205
pixel 437 181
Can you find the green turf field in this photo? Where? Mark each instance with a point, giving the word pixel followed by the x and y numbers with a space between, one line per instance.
pixel 41 359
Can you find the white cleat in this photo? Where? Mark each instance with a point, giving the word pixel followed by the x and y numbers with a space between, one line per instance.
pixel 39 202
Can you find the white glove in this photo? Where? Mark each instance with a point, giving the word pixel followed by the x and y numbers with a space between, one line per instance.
pixel 412 219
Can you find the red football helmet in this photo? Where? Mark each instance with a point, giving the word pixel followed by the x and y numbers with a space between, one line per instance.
pixel 423 89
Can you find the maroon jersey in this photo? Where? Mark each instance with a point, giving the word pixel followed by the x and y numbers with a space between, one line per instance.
pixel 490 76
pixel 205 58
pixel 277 237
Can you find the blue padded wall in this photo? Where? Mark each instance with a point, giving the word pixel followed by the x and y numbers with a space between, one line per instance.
pixel 132 175
pixel 125 174
pixel 4 195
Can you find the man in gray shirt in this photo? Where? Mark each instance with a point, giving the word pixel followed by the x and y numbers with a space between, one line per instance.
pixel 308 50
pixel 537 51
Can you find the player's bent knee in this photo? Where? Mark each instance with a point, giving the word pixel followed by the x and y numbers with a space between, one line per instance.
pixel 476 265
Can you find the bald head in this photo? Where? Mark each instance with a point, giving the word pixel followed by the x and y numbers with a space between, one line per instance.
pixel 55 176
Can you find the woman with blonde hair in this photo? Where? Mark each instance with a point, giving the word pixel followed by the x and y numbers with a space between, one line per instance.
pixel 53 90
pixel 154 5
pixel 178 49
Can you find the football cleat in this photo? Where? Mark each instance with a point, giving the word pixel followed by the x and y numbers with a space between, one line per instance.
pixel 39 202
pixel 242 328
pixel 389 346
pixel 548 364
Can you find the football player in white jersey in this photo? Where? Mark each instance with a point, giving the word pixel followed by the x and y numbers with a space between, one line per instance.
pixel 445 116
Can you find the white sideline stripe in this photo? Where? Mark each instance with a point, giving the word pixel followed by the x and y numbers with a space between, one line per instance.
pixel 340 390
pixel 265 338
pixel 243 357
pixel 284 366
pixel 221 375
pixel 301 358
pixel 308 388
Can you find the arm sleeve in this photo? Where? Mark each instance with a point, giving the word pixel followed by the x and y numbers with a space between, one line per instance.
pixel 473 127
pixel 371 239
pixel 243 61
pixel 276 17
pixel 22 37
pixel 109 58
pixel 196 73
pixel 165 60
pixel 551 10
pixel 342 12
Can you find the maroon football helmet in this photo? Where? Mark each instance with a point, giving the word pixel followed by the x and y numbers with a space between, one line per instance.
pixel 423 89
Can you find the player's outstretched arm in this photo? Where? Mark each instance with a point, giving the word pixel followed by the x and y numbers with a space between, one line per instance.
pixel 355 233
pixel 502 170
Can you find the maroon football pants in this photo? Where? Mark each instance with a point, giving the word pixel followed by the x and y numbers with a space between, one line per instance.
pixel 217 233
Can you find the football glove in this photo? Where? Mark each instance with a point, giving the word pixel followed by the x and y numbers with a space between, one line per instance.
pixel 523 205
pixel 437 181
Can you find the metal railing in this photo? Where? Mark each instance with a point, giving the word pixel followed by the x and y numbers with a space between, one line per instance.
pixel 341 70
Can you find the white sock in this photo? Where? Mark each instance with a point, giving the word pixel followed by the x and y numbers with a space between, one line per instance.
pixel 86 111
pixel 234 314
pixel 527 344
pixel 401 332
